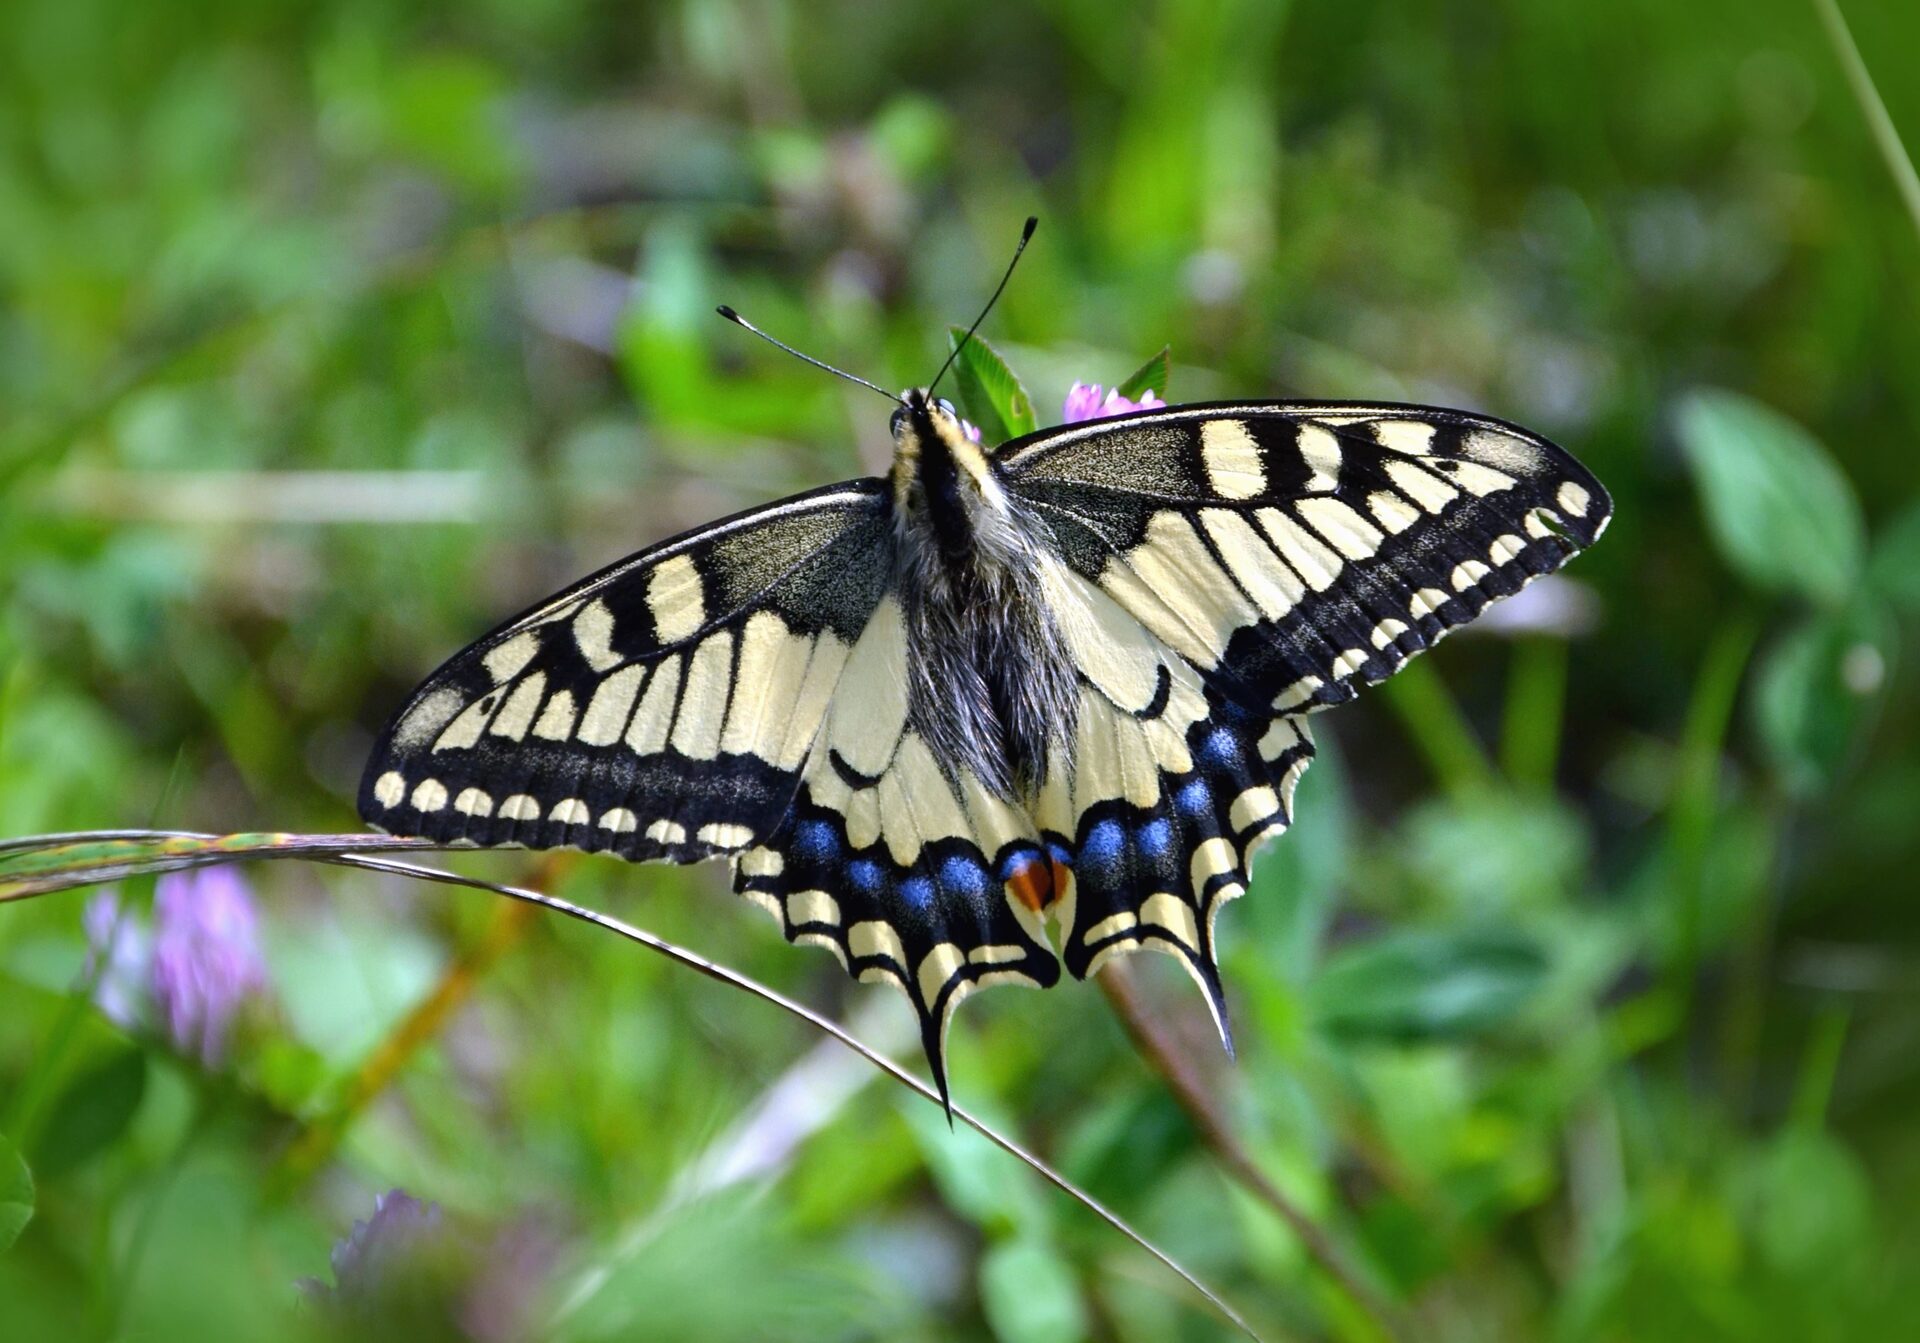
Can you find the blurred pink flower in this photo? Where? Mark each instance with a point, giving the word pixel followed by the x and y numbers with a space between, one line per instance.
pixel 1087 401
pixel 366 1260
pixel 407 1271
pixel 119 959
pixel 206 957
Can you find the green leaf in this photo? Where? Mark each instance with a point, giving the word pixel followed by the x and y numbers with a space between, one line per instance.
pixel 976 1179
pixel 92 1112
pixel 1428 985
pixel 1782 514
pixel 993 398
pixel 1816 1204
pixel 1818 687
pixel 1029 1294
pixel 1893 572
pixel 1151 376
pixel 16 1194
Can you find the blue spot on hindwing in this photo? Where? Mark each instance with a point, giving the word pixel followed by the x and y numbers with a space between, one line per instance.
pixel 1105 847
pixel 1195 799
pixel 816 841
pixel 866 877
pixel 917 891
pixel 1156 836
pixel 1220 748
pixel 963 876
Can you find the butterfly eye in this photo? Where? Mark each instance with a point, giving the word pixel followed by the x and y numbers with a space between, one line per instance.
pixel 947 406
pixel 898 422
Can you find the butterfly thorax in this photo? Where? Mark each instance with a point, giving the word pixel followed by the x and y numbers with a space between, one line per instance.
pixel 990 683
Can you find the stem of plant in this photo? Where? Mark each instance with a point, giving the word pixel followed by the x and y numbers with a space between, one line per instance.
pixel 1175 1068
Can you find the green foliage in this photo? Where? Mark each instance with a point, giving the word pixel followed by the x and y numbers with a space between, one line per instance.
pixel 990 394
pixel 1155 376
pixel 92 1112
pixel 1783 515
pixel 1576 1005
pixel 1821 687
pixel 16 1194
pixel 1428 985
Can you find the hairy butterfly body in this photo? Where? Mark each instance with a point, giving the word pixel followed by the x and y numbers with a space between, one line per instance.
pixel 1063 683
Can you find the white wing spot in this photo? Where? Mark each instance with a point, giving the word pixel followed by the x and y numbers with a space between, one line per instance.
pixel 647 734
pixel 557 719
pixel 593 635
pixel 1481 480
pixel 677 597
pixel 667 832
pixel 725 836
pixel 1506 549
pixel 762 863
pixel 606 715
pixel 1386 632
pixel 1506 451
pixel 429 795
pixel 474 802
pixel 389 788
pixel 1392 512
pixel 1252 807
pixel 1232 460
pixel 1574 499
pixel 1125 921
pixel 506 660
pixel 570 811
pixel 426 718
pixel 937 969
pixel 1322 453
pixel 520 807
pixel 620 821
pixel 1298 693
pixel 1173 915
pixel 1421 485
pixel 516 715
pixel 996 955
pixel 812 907
pixel 1467 573
pixel 1345 530
pixel 874 938
pixel 1406 436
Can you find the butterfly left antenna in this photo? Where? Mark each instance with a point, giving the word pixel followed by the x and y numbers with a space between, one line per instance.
pixel 738 320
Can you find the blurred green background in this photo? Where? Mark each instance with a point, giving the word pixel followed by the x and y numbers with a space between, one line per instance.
pixel 1581 1002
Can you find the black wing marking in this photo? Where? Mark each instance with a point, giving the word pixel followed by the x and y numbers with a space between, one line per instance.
pixel 1266 559
pixel 909 873
pixel 1170 785
pixel 1295 549
pixel 661 709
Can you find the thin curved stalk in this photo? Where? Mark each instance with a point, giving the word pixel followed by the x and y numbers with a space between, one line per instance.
pixel 345 851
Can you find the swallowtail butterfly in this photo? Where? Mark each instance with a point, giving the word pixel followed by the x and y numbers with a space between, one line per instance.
pixel 1063 684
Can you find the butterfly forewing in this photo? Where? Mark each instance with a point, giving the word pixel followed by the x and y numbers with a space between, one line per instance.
pixel 1283 554
pixel 1293 549
pixel 663 708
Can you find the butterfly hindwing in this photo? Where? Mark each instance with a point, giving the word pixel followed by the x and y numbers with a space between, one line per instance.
pixel 1169 786
pixel 911 873
pixel 663 708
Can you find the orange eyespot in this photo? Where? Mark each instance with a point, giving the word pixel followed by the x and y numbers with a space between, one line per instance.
pixel 1037 882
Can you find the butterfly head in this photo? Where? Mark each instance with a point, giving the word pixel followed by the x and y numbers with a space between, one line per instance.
pixel 941 477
